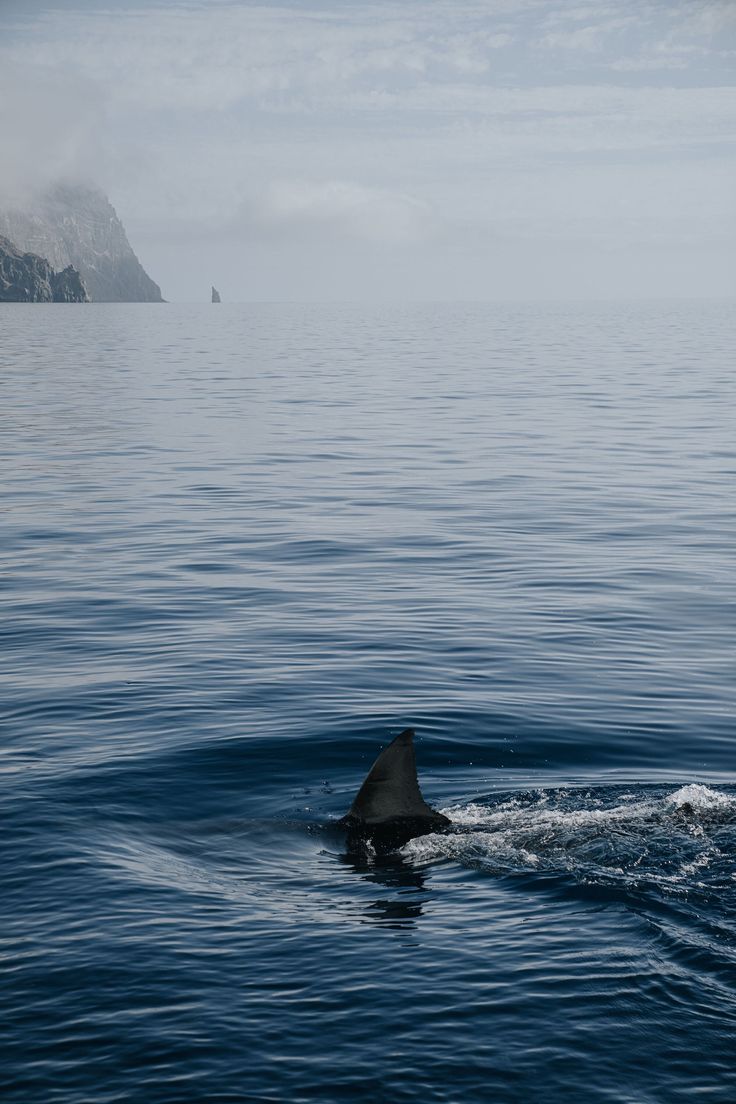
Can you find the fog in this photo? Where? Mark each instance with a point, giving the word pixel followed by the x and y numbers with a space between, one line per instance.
pixel 441 150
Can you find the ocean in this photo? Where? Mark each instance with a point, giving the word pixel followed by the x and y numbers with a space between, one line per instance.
pixel 243 546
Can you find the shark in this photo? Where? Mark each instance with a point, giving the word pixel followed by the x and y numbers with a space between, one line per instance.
pixel 389 809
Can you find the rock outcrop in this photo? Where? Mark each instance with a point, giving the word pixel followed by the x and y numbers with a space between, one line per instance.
pixel 68 286
pixel 28 278
pixel 76 225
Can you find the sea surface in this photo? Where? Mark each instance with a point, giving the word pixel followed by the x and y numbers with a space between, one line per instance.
pixel 242 547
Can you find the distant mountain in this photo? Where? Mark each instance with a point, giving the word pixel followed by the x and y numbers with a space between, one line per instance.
pixel 28 278
pixel 74 224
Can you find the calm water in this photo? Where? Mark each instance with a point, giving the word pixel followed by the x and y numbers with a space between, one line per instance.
pixel 241 548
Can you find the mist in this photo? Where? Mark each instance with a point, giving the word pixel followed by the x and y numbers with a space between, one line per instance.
pixel 397 150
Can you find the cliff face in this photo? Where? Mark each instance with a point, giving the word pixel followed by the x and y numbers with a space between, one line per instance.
pixel 76 225
pixel 28 278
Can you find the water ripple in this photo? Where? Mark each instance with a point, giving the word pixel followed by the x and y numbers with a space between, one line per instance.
pixel 241 548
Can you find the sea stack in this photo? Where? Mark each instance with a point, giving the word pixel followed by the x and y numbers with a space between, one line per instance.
pixel 215 295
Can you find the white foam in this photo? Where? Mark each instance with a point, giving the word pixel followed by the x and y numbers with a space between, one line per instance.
pixel 700 797
pixel 638 838
pixel 699 863
pixel 497 849
pixel 540 814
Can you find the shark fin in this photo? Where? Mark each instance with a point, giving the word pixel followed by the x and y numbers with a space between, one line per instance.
pixel 390 796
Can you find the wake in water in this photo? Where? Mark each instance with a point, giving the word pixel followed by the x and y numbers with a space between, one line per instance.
pixel 679 841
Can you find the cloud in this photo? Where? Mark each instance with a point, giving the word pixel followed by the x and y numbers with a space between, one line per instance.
pixel 649 62
pixel 342 207
pixel 50 127
pixel 373 128
pixel 582 38
pixel 212 57
pixel 710 19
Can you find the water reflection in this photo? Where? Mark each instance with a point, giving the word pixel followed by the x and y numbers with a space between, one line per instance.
pixel 402 904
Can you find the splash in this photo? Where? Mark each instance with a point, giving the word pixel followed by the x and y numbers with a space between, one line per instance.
pixel 701 798
pixel 679 841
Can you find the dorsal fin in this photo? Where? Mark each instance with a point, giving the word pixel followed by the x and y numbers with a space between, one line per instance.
pixel 391 788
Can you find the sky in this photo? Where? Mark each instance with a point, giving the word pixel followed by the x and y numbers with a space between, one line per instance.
pixel 406 149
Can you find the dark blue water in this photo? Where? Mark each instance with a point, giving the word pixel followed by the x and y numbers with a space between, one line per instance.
pixel 241 548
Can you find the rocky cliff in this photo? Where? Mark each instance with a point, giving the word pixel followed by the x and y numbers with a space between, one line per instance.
pixel 28 278
pixel 76 225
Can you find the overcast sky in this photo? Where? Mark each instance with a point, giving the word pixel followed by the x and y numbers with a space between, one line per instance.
pixel 437 149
